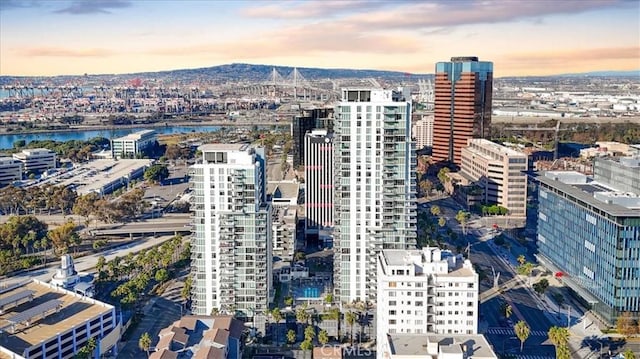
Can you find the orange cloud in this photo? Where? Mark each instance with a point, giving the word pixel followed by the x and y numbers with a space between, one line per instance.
pixel 63 52
pixel 308 40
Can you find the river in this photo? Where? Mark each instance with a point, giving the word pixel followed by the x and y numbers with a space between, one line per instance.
pixel 7 140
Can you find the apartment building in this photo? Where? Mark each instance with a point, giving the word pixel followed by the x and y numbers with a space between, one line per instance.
pixel 318 175
pixel 305 122
pixel 422 129
pixel 500 172
pixel 426 290
pixel 133 144
pixel 232 242
pixel 10 170
pixel 589 231
pixel 44 321
pixel 375 198
pixel 435 346
pixel 36 159
pixel 463 92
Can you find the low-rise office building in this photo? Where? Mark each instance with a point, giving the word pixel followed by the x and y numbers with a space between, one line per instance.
pixel 10 170
pixel 589 234
pixel 500 172
pixel 36 159
pixel 426 291
pixel 133 144
pixel 41 320
pixel 422 129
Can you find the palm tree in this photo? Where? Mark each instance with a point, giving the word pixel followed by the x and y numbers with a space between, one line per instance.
pixel 291 336
pixel 323 337
pixel 522 332
pixel 144 343
pixel 350 318
pixel 506 310
pixel 435 210
pixel 462 217
pixel 521 259
pixel 306 346
pixel 558 336
pixel 628 354
pixel 442 222
pixel 277 318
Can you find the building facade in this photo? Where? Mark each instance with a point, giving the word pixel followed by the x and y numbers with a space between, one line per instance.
pixel 133 144
pixel 463 91
pixel 10 170
pixel 500 172
pixel 308 120
pixel 232 242
pixel 318 175
pixel 45 321
pixel 375 198
pixel 422 129
pixel 590 232
pixel 623 172
pixel 426 291
pixel 36 159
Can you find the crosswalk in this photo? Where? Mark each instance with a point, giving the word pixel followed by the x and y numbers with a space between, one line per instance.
pixel 508 331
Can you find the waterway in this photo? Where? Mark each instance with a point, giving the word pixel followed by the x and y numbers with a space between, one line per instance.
pixel 7 140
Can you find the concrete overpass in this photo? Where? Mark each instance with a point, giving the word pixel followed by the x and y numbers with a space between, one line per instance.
pixel 170 225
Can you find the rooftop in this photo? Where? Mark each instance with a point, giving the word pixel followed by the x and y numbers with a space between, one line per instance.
pixel 493 146
pixel 475 346
pixel 217 147
pixel 283 189
pixel 203 336
pixel 136 136
pixel 74 310
pixel 96 174
pixel 598 195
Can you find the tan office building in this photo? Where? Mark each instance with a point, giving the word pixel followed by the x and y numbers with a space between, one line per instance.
pixel 499 171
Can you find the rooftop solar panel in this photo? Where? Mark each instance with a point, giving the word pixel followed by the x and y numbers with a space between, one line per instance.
pixel 16 297
pixel 31 313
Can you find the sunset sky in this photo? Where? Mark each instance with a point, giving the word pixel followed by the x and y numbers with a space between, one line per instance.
pixel 521 37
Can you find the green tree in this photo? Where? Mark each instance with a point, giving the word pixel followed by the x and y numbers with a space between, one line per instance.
pixel 521 259
pixel 328 298
pixel 144 343
pixel 563 352
pixel 541 286
pixel 288 301
pixel 291 336
pixel 442 222
pixel 86 352
pixel 63 236
pixel 277 318
pixel 628 354
pixel 162 275
pixel 323 337
pixel 156 173
pixel 522 332
pixel 350 318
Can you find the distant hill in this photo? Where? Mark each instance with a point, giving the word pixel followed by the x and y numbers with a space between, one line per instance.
pixel 632 73
pixel 264 72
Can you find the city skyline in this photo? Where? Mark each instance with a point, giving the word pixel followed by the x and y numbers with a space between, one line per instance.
pixel 122 36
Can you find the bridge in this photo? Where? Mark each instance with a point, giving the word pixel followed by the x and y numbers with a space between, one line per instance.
pixel 160 226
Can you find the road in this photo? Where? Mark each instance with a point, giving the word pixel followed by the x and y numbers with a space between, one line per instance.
pixel 514 291
pixel 86 264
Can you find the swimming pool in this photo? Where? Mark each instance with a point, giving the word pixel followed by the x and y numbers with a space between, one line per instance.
pixel 308 291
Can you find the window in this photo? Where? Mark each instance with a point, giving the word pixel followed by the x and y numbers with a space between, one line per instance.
pixel 392 284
